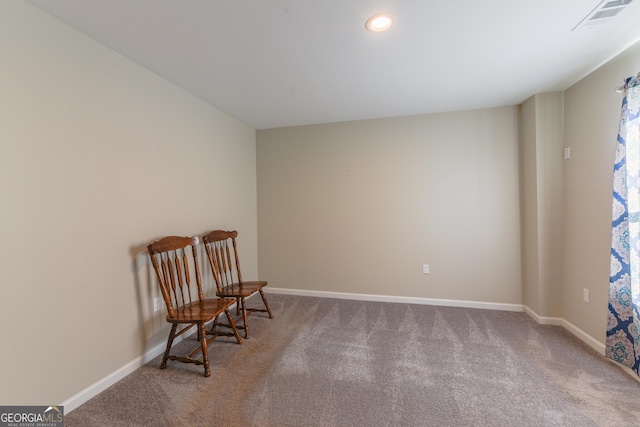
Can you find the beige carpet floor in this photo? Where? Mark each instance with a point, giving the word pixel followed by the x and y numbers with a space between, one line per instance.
pixel 330 362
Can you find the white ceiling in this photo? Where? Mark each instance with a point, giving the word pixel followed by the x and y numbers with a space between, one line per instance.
pixel 274 63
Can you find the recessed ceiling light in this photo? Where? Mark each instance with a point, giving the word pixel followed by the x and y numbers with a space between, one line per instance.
pixel 378 23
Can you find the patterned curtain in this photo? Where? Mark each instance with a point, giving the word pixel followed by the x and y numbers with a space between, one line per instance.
pixel 623 323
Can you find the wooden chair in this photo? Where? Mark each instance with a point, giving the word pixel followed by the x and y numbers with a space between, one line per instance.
pixel 172 263
pixel 225 265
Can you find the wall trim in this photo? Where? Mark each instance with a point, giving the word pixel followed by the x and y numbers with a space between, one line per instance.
pixel 570 327
pixel 543 320
pixel 626 369
pixel 397 299
pixel 106 382
pixel 101 385
pixel 582 335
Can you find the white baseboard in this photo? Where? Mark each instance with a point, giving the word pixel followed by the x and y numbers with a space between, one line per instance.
pixel 106 382
pixel 583 336
pixel 398 299
pixel 558 321
pixel 543 320
pixel 597 346
pixel 98 387
pixel 626 370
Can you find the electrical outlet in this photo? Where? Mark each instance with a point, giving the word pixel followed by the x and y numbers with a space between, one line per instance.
pixel 585 295
pixel 157 304
pixel 425 268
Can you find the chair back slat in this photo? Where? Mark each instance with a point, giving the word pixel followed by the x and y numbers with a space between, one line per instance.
pixel 221 280
pixel 172 278
pixel 226 265
pixel 182 274
pixel 171 260
pixel 165 280
pixel 187 277
pixel 221 264
pixel 196 242
pixel 237 259
pixel 223 260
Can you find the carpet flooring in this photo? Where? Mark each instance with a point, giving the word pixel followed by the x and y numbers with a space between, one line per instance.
pixel 330 362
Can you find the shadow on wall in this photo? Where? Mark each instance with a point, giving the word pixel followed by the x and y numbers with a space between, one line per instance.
pixel 152 309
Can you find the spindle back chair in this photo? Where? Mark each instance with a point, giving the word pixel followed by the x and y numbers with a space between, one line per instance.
pixel 222 251
pixel 173 259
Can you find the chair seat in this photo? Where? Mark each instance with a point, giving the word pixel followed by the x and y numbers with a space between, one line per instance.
pixel 243 289
pixel 200 311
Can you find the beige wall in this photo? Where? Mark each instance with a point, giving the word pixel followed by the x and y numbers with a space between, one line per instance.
pixel 360 206
pixel 541 152
pixel 99 157
pixel 529 206
pixel 592 112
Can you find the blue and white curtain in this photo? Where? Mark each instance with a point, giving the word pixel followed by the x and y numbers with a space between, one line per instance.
pixel 623 323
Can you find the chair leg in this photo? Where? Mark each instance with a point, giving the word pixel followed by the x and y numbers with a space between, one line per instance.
pixel 205 350
pixel 238 305
pixel 244 319
pixel 232 323
pixel 266 304
pixel 214 324
pixel 172 335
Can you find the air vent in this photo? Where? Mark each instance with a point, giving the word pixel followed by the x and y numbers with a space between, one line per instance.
pixel 602 13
